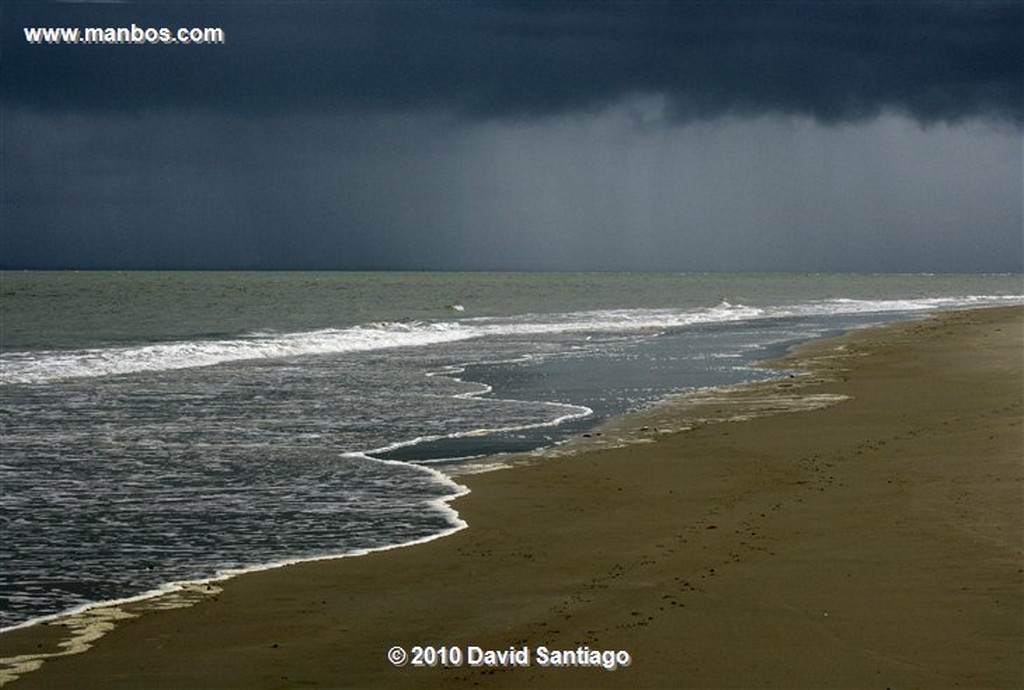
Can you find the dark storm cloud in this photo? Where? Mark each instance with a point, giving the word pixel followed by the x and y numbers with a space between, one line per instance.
pixel 835 62
pixel 535 136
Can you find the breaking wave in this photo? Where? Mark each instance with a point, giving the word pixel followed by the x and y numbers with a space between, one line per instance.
pixel 55 365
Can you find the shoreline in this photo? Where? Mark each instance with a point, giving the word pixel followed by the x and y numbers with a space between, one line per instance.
pixel 541 596
pixel 188 590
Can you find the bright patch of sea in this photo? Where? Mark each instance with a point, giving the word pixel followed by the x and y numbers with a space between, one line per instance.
pixel 166 427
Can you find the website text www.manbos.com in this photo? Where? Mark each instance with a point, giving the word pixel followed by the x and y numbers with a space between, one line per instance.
pixel 124 35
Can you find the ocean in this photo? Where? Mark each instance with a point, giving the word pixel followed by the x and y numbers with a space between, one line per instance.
pixel 170 427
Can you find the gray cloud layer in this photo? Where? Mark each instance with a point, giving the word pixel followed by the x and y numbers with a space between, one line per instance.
pixel 597 192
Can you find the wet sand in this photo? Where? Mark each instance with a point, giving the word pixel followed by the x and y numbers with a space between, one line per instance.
pixel 874 542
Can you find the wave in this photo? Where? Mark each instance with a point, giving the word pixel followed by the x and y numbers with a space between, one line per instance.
pixel 45 366
pixel 32 367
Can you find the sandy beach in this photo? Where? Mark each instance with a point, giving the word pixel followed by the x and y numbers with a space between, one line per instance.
pixel 868 537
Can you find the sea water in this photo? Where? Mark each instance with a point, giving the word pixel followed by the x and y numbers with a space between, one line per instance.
pixel 169 427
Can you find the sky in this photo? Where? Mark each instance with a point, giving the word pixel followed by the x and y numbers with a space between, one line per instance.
pixel 806 136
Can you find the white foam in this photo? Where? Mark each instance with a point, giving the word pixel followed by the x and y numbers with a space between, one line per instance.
pixel 41 367
pixel 573 412
pixel 46 366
